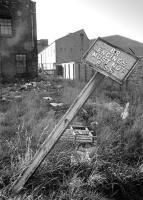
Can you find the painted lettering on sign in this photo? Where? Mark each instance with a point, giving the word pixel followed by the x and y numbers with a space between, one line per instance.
pixel 110 60
pixel 105 57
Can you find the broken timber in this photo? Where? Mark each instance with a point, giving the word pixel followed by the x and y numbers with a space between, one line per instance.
pixel 105 58
pixel 54 136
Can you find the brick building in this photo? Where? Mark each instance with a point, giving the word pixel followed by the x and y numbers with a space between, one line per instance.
pixel 18 39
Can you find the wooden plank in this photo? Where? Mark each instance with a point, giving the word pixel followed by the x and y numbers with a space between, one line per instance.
pixel 54 136
pixel 85 136
pixel 81 138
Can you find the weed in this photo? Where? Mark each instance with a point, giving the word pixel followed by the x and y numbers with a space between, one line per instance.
pixel 114 170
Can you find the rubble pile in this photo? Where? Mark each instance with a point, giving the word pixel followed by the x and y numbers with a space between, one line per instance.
pixel 12 92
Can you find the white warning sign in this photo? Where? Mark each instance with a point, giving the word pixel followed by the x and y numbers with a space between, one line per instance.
pixel 110 60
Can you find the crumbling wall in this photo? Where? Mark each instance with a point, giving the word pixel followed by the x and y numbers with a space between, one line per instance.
pixel 23 39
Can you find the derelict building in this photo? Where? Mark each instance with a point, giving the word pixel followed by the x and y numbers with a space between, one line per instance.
pixel 18 39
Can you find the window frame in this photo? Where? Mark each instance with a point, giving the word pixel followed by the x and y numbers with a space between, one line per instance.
pixel 18 61
pixel 6 26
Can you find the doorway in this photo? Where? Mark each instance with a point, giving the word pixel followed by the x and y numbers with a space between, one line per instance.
pixel 59 70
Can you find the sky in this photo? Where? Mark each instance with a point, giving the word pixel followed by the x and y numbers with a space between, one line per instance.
pixel 99 18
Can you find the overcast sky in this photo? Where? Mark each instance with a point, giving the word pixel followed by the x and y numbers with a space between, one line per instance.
pixel 56 18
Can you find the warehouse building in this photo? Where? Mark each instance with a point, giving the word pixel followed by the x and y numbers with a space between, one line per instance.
pixel 64 55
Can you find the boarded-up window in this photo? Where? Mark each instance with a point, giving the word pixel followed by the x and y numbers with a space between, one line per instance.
pixel 5 27
pixel 21 63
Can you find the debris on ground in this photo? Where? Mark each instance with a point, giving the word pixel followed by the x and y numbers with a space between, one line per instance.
pixel 24 87
pixel 94 125
pixel 2 116
pixel 14 91
pixel 79 134
pixel 125 112
pixel 56 104
pixel 48 98
pixel 34 84
pixel 18 97
pixel 113 106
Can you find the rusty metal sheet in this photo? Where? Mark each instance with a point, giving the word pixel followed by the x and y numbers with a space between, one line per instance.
pixel 110 60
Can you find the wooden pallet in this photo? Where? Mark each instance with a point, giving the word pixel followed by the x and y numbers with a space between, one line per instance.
pixel 83 136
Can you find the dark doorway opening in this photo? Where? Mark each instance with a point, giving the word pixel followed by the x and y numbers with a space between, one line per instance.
pixel 59 70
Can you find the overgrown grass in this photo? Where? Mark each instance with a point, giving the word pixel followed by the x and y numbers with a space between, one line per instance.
pixel 114 171
pixel 71 90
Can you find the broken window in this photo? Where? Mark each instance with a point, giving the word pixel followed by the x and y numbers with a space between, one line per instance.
pixel 21 63
pixel 5 21
pixel 5 27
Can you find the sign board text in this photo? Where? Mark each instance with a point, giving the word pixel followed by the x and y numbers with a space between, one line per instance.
pixel 110 60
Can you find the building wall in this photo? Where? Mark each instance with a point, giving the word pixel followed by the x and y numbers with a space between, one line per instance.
pixel 64 51
pixel 77 71
pixel 71 47
pixel 42 44
pixel 69 70
pixel 22 41
pixel 47 58
pixel 84 72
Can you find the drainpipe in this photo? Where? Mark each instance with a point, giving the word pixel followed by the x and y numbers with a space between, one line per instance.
pixel 0 78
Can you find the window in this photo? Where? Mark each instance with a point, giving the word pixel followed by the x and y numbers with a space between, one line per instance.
pixel 5 27
pixel 21 63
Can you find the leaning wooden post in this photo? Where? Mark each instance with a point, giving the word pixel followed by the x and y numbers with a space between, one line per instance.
pixel 57 132
pixel 104 58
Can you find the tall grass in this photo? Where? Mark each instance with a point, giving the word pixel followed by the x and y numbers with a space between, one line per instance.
pixel 114 170
pixel 71 90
